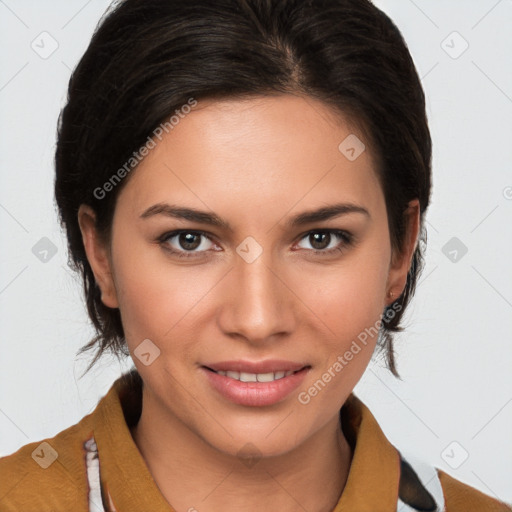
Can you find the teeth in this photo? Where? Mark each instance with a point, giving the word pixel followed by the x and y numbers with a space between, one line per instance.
pixel 255 377
pixel 265 377
pixel 248 377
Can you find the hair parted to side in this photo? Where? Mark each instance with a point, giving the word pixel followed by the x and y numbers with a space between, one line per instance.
pixel 147 58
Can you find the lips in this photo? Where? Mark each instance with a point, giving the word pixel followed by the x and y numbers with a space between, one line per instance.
pixel 252 383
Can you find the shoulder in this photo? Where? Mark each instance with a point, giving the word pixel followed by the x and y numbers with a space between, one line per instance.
pixel 47 475
pixel 425 487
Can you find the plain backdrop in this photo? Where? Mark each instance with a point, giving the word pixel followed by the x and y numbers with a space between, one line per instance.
pixel 453 407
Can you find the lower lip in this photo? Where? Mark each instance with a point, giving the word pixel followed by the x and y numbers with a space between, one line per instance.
pixel 255 394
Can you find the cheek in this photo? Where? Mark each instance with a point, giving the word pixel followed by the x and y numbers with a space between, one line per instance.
pixel 350 304
pixel 350 298
pixel 157 297
pixel 156 302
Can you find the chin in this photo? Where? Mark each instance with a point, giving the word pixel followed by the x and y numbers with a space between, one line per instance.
pixel 255 443
pixel 249 450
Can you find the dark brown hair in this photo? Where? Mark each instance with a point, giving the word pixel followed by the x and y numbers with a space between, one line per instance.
pixel 147 58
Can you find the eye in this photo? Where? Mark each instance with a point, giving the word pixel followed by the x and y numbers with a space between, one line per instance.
pixel 184 243
pixel 328 241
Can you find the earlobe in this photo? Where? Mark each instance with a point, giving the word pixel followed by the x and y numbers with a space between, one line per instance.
pixel 401 262
pixel 97 256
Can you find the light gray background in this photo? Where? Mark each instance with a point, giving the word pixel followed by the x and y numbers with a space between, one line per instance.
pixel 455 357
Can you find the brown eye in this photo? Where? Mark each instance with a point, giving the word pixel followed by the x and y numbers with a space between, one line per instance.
pixel 328 241
pixel 186 243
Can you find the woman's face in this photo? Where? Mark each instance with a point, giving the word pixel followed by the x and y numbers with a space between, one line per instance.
pixel 258 292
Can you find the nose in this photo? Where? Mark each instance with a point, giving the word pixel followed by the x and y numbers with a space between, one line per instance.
pixel 257 304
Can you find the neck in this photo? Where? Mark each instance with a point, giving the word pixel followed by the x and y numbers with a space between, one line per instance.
pixel 192 475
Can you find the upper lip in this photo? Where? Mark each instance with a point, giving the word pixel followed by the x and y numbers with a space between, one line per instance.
pixel 268 366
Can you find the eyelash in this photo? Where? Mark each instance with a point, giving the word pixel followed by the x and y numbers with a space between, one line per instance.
pixel 347 240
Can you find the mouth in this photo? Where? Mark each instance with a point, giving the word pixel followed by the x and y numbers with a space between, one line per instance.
pixel 255 383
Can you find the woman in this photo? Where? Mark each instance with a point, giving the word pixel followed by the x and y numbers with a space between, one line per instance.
pixel 243 185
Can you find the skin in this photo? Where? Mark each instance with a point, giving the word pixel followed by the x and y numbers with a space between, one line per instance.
pixel 255 163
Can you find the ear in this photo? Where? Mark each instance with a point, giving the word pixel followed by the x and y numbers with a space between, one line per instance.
pixel 401 260
pixel 98 256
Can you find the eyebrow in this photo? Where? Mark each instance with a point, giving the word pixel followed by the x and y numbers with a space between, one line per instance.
pixel 204 217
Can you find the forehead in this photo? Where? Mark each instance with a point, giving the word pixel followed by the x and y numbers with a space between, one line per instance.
pixel 254 152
